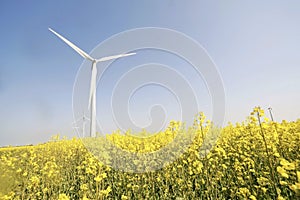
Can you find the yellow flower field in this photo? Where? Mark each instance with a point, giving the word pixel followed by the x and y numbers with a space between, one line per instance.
pixel 255 159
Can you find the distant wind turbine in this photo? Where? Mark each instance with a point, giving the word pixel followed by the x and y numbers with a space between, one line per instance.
pixel 84 119
pixel 92 97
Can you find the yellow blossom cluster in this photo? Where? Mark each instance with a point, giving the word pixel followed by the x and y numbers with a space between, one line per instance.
pixel 254 159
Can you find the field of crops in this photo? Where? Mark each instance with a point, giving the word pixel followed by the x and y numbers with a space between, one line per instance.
pixel 255 159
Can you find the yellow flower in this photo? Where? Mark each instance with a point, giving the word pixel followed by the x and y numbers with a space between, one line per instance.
pixel 244 191
pixel 287 165
pixel 104 175
pixel 106 192
pixel 252 197
pixel 263 181
pixel 108 189
pixel 84 187
pixel 264 189
pixel 124 197
pixel 295 187
pixel 282 172
pixel 283 182
pixel 98 178
pixel 35 180
pixel 135 187
pixel 45 190
pixel 277 155
pixel 280 198
pixel 63 197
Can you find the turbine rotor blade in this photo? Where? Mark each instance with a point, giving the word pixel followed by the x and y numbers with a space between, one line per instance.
pixel 114 57
pixel 73 46
pixel 85 118
pixel 93 83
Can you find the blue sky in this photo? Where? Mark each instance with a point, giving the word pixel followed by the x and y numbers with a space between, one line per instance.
pixel 255 45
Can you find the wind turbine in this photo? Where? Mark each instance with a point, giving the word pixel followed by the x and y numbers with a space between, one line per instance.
pixel 93 85
pixel 84 119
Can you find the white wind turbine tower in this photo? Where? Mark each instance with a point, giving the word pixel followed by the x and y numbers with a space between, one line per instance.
pixel 92 97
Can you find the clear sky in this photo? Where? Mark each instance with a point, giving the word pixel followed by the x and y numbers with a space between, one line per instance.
pixel 255 45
